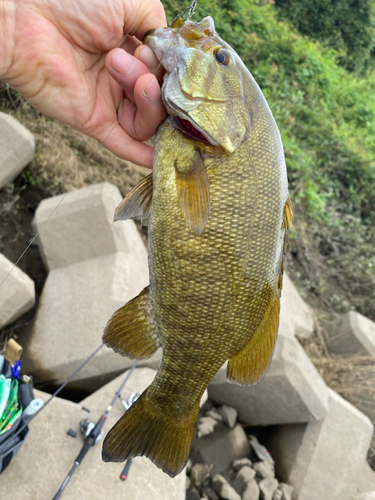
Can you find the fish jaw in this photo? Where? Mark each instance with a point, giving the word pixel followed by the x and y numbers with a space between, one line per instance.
pixel 197 88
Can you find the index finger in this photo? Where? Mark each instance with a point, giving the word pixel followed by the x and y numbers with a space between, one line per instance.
pixel 141 17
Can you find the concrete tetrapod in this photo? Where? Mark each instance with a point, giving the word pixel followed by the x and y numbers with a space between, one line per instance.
pixel 17 148
pixel 17 292
pixel 323 459
pixel 95 266
pixel 292 390
pixel 48 454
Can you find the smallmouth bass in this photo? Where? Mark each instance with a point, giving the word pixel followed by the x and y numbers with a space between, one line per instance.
pixel 218 213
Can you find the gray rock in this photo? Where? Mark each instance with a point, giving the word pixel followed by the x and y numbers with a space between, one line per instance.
pixel 224 489
pixel 268 488
pixel 214 413
pixel 206 426
pixel 193 494
pixel 260 451
pixel 237 464
pixel 229 415
pixel 365 496
pixel 352 333
pixel 210 494
pixel 292 390
pixel 189 465
pixel 199 473
pixel 221 447
pixel 264 469
pixel 278 495
pixel 17 148
pixel 243 477
pixel 17 292
pixel 252 491
pixel 322 460
pixel 286 490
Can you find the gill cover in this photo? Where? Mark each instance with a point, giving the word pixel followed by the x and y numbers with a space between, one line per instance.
pixel 201 85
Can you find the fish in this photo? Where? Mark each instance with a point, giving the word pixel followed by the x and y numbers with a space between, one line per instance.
pixel 218 215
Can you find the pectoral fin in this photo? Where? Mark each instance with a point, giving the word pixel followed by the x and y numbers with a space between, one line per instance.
pixel 130 331
pixel 137 203
pixel 250 365
pixel 193 192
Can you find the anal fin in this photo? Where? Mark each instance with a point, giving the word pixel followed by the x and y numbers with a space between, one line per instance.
pixel 130 332
pixel 250 365
pixel 137 203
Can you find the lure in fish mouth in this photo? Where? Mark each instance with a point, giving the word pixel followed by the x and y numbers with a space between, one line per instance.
pixel 202 86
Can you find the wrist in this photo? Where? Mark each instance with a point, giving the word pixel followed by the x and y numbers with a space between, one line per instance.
pixel 7 36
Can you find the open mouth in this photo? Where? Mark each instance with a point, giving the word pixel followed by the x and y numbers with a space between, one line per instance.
pixel 188 130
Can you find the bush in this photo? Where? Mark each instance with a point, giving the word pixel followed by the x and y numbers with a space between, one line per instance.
pixel 344 25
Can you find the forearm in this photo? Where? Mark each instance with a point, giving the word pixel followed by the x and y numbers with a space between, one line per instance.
pixel 7 36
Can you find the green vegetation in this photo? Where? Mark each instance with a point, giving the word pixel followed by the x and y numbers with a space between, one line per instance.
pixel 346 26
pixel 326 116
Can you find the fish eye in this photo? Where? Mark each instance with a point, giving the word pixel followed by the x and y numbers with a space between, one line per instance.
pixel 223 57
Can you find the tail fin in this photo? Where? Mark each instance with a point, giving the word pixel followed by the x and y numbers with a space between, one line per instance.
pixel 146 430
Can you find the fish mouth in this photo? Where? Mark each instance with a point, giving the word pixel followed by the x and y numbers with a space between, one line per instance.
pixel 189 130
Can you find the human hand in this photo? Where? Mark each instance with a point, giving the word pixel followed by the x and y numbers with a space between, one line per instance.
pixel 67 60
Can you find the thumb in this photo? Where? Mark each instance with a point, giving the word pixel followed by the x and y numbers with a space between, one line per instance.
pixel 143 16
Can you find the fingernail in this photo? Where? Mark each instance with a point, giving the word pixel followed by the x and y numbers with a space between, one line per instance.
pixel 122 62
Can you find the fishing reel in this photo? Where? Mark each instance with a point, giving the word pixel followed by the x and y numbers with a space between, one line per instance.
pixel 85 427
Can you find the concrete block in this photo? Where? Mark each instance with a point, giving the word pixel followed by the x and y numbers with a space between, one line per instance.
pixel 365 496
pixel 96 266
pixel 75 305
pixel 48 454
pixel 295 315
pixel 221 447
pixel 292 391
pixel 322 459
pixel 17 292
pixel 350 334
pixel 17 148
pixel 82 228
pixel 366 478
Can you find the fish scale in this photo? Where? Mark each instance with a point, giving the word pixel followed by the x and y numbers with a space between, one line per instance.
pixel 218 211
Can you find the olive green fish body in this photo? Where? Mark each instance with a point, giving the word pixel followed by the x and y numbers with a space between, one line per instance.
pixel 217 224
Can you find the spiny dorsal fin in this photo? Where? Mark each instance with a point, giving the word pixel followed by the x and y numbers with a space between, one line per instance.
pixel 193 192
pixel 287 218
pixel 130 331
pixel 137 203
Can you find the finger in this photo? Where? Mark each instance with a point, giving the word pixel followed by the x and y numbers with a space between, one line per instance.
pixel 127 148
pixel 130 44
pixel 143 17
pixel 141 119
pixel 125 69
pixel 149 59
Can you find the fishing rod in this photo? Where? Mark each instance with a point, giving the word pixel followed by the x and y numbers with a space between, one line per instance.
pixel 94 435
